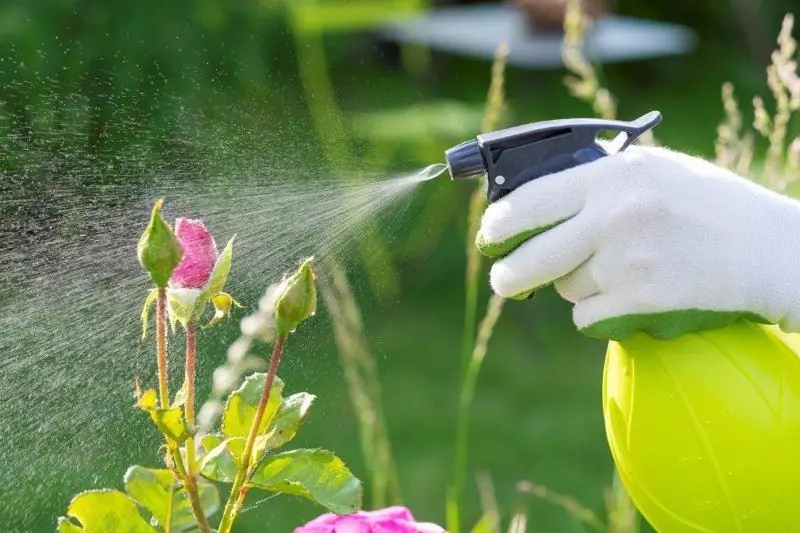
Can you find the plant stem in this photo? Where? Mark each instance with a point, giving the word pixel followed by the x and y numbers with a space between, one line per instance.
pixel 495 102
pixel 238 489
pixel 476 206
pixel 363 384
pixel 191 363
pixel 191 489
pixel 465 403
pixel 161 347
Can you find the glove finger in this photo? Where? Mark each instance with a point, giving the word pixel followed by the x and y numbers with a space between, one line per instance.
pixel 539 205
pixel 603 316
pixel 579 284
pixel 544 258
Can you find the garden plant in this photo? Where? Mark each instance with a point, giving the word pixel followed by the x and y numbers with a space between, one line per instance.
pixel 256 420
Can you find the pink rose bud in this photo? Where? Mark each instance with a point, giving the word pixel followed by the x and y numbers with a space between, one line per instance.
pixel 199 255
pixel 390 520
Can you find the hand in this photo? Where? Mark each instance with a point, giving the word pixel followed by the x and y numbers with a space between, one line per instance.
pixel 649 240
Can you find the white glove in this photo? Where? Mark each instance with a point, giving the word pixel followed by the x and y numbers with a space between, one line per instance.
pixel 650 240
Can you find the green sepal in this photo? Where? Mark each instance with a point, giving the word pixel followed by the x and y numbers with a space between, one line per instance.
pixel 315 474
pixel 154 488
pixel 103 511
pixel 182 305
pixel 158 250
pixel 170 421
pixel 219 276
pixel 223 303
pixel 242 404
pixel 148 303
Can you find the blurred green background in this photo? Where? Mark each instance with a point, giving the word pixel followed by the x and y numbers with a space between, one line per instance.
pixel 123 76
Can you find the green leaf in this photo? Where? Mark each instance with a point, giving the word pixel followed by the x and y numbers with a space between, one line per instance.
pixel 171 421
pixel 219 276
pixel 158 250
pixel 148 303
pixel 291 415
pixel 221 460
pixel 103 511
pixel 153 489
pixel 240 409
pixel 317 475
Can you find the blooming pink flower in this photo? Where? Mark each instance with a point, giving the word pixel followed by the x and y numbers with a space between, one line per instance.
pixel 389 520
pixel 199 255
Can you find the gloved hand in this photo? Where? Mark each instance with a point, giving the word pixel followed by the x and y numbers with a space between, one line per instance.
pixel 649 240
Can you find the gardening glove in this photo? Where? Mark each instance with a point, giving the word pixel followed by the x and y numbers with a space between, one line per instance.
pixel 649 240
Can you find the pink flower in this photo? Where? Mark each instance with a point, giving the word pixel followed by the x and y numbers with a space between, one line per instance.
pixel 199 255
pixel 390 520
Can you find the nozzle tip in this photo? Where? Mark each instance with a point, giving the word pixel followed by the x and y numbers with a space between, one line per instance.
pixel 465 161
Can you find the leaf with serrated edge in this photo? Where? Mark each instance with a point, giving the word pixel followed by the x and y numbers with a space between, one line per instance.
pixel 290 417
pixel 152 489
pixel 314 474
pixel 220 463
pixel 103 511
pixel 240 409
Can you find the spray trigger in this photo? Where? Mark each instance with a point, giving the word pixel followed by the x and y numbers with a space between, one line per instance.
pixel 509 158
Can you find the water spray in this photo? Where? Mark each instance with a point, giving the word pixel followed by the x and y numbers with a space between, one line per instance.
pixel 514 156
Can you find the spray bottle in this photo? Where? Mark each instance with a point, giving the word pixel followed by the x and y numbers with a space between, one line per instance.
pixel 704 429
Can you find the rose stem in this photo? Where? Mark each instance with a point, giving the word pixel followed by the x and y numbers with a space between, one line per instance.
pixel 191 363
pixel 237 490
pixel 161 346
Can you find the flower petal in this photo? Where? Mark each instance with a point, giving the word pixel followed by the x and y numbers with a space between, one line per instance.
pixel 321 524
pixel 396 512
pixel 199 254
pixel 353 523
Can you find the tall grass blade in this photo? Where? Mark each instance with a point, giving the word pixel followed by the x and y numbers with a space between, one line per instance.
pixel 495 103
pixel 622 514
pixel 572 506
pixel 363 384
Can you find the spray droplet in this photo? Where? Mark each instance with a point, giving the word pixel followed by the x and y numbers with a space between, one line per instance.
pixel 431 171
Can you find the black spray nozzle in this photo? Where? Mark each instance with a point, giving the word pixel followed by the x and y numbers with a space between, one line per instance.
pixel 511 157
pixel 465 161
